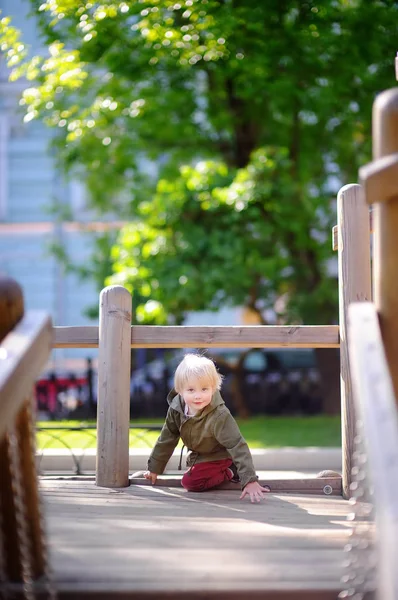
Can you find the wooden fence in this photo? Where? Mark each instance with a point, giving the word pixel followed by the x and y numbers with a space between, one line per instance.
pixel 115 337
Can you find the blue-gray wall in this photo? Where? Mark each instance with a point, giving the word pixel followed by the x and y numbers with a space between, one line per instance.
pixel 29 186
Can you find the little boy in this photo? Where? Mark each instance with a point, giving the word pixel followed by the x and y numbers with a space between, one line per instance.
pixel 197 414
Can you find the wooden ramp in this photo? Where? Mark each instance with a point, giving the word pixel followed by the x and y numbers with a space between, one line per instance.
pixel 162 542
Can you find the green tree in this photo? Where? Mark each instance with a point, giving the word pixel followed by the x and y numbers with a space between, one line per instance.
pixel 250 114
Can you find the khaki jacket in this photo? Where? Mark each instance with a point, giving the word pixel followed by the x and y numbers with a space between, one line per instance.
pixel 212 434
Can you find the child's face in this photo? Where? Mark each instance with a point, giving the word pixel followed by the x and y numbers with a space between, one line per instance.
pixel 197 394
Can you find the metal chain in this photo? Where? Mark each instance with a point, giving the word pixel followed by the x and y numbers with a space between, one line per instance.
pixel 25 548
pixel 20 514
pixel 48 575
pixel 3 571
pixel 360 562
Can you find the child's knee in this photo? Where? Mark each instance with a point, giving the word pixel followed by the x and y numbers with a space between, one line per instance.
pixel 189 483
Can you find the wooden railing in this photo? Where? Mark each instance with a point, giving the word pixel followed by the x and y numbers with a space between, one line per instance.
pixel 26 342
pixel 115 337
pixel 241 336
pixel 378 439
pixel 373 342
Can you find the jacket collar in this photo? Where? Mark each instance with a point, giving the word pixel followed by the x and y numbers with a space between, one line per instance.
pixel 176 401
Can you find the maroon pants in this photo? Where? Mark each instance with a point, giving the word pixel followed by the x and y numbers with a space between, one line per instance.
pixel 206 475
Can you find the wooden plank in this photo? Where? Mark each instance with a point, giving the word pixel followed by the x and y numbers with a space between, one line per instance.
pixel 375 400
pixel 325 486
pixel 354 286
pixel 11 313
pixel 277 536
pixel 11 305
pixel 76 592
pixel 265 336
pixel 379 178
pixel 136 566
pixel 76 337
pixel 24 353
pixel 268 594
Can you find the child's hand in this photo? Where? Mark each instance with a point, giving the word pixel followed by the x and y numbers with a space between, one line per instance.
pixel 152 476
pixel 255 491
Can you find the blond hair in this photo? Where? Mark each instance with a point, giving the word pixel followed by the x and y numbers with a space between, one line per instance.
pixel 195 366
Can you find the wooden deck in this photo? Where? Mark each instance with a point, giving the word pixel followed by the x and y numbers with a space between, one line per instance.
pixel 157 542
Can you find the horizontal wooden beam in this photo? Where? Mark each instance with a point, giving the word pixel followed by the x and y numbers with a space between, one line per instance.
pixel 329 486
pixel 71 590
pixel 92 590
pixel 23 354
pixel 262 336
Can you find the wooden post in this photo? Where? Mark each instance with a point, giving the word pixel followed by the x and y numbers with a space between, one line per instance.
pixel 380 180
pixel 27 450
pixel 113 411
pixel 11 305
pixel 11 312
pixel 354 286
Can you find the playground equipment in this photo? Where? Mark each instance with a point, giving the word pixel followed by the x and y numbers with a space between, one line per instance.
pixel 369 383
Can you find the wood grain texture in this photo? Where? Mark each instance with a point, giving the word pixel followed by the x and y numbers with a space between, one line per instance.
pixel 335 232
pixel 265 336
pixel 11 313
pixel 379 178
pixel 26 351
pixel 308 485
pixel 159 541
pixel 385 144
pixel 26 345
pixel 114 365
pixel 120 593
pixel 354 286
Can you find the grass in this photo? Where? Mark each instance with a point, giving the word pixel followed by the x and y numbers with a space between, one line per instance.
pixel 259 432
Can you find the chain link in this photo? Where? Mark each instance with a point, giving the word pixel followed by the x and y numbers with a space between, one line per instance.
pixel 360 562
pixel 25 549
pixel 48 575
pixel 24 543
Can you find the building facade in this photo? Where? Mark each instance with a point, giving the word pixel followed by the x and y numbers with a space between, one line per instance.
pixel 30 188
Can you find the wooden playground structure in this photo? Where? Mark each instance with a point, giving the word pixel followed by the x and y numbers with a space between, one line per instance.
pixel 120 538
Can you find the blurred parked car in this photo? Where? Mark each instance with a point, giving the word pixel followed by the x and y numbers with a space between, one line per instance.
pixel 66 395
pixel 256 381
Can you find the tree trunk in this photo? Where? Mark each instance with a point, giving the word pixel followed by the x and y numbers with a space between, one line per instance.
pixel 238 399
pixel 242 410
pixel 328 360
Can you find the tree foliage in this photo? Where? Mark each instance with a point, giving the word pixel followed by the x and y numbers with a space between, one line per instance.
pixel 221 129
